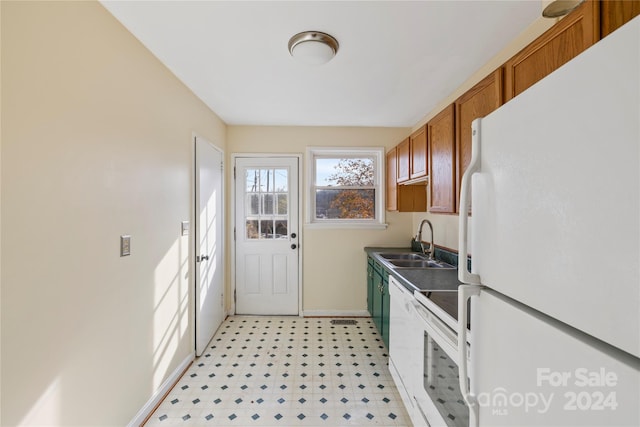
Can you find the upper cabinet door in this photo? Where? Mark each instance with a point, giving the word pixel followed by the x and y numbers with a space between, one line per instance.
pixel 418 149
pixel 480 100
pixel 442 142
pixel 392 173
pixel 616 13
pixel 562 42
pixel 403 160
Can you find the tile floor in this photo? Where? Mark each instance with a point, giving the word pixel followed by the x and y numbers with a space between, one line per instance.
pixel 287 371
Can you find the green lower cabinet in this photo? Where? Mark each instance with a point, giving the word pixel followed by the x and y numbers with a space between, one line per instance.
pixel 378 297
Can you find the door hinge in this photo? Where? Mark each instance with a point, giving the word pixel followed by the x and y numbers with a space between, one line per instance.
pixel 234 234
pixel 234 172
pixel 222 166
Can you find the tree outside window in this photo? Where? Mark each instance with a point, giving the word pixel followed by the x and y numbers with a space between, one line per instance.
pixel 346 188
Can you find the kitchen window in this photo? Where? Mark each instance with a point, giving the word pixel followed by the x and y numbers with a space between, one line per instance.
pixel 345 188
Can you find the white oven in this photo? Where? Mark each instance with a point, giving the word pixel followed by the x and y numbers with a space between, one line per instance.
pixel 438 400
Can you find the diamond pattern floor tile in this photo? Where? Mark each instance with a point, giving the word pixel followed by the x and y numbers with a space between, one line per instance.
pixel 287 371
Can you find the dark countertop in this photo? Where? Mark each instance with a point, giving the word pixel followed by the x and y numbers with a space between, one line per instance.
pixel 421 279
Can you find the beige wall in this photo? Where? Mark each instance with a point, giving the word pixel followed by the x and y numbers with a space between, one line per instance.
pixel 446 226
pixel 334 269
pixel 0 220
pixel 96 142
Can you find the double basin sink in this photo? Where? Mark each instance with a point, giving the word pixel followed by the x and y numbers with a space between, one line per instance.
pixel 414 260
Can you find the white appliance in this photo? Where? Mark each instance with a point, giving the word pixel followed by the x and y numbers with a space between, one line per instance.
pixel 405 343
pixel 555 236
pixel 437 397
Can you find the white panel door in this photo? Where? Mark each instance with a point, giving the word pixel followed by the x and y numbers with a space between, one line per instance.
pixel 209 251
pixel 267 261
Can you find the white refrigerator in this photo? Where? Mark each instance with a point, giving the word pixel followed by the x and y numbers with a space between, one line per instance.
pixel 554 236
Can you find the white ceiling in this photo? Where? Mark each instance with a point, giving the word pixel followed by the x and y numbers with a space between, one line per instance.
pixel 397 59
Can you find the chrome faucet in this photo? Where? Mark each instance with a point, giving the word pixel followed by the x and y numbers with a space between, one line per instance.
pixel 432 248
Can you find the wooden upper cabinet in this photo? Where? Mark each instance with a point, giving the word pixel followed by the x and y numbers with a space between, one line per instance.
pixel 403 161
pixel 418 149
pixel 392 186
pixel 412 198
pixel 562 42
pixel 485 97
pixel 616 13
pixel 442 171
pixel 403 198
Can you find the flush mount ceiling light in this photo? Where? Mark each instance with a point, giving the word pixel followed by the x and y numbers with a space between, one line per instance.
pixel 313 47
pixel 560 8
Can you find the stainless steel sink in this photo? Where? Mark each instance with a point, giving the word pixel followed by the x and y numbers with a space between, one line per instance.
pixel 420 263
pixel 404 256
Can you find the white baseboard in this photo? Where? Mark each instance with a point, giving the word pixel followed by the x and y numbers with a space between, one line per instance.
pixel 157 397
pixel 336 313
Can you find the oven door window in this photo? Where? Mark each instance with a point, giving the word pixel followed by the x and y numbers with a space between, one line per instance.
pixel 441 384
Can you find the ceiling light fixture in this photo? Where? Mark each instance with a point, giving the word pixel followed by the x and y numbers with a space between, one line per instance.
pixel 560 8
pixel 313 47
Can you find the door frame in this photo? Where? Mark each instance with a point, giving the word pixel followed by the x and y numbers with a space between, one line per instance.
pixel 233 225
pixel 193 237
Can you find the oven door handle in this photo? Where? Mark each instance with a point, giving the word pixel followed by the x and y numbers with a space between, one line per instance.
pixel 464 293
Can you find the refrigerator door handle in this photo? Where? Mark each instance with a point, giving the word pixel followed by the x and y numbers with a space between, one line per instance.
pixel 464 275
pixel 464 293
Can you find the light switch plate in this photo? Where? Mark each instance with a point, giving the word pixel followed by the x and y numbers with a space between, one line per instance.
pixel 184 228
pixel 125 245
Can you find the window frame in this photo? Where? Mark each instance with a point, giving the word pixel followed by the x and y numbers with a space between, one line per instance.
pixel 377 154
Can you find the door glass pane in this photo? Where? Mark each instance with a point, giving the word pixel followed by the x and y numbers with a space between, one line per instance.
pixel 252 180
pixel 282 180
pixel 281 229
pixel 266 229
pixel 252 229
pixel 266 180
pixel 267 204
pixel 253 205
pixel 282 204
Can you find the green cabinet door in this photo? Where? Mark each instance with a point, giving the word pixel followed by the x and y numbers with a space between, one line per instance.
pixel 384 311
pixel 377 300
pixel 378 297
pixel 370 287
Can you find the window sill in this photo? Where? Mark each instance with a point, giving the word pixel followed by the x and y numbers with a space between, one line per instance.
pixel 342 225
